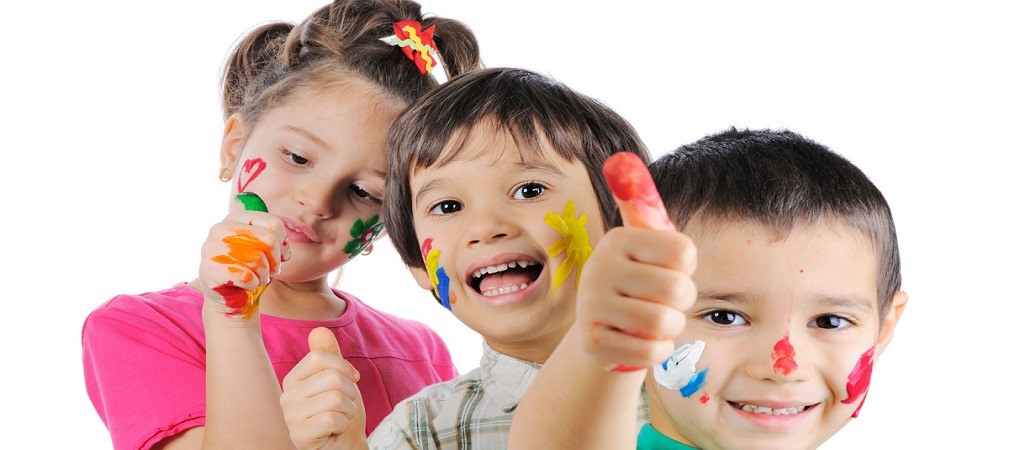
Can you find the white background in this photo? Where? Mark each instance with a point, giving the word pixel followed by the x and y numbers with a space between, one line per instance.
pixel 111 127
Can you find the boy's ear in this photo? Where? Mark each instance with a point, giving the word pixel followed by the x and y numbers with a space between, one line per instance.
pixel 233 142
pixel 899 301
pixel 422 277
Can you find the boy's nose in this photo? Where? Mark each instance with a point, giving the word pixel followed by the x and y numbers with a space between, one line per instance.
pixel 777 359
pixel 487 225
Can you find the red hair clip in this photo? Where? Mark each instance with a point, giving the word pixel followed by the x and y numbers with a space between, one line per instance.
pixel 417 44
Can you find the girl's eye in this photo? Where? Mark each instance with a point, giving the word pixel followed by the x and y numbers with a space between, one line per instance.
pixel 830 322
pixel 724 317
pixel 529 190
pixel 445 207
pixel 295 158
pixel 362 193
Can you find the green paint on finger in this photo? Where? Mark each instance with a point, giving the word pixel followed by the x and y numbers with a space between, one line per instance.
pixel 252 202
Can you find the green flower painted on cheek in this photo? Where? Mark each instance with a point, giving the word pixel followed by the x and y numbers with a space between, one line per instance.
pixel 363 232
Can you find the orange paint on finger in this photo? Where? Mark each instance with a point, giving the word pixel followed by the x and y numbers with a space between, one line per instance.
pixel 246 254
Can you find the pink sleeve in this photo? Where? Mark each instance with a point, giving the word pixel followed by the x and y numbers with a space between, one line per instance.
pixel 144 373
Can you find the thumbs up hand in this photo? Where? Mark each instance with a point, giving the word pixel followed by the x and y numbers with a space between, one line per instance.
pixel 321 401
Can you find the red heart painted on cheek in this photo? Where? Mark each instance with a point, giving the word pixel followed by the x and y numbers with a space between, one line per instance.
pixel 249 171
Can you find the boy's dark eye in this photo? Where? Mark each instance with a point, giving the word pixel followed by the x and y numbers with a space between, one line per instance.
pixel 831 322
pixel 445 207
pixel 529 190
pixel 723 317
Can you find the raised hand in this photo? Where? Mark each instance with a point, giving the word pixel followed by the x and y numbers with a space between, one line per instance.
pixel 321 401
pixel 637 284
pixel 239 258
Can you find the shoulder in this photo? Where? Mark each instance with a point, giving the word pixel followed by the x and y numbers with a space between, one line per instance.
pixel 178 308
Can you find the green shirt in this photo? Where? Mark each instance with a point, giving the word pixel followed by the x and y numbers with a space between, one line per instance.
pixel 651 439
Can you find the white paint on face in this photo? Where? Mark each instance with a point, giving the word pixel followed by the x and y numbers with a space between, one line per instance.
pixel 675 372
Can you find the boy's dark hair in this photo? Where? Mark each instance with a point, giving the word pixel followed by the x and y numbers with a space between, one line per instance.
pixel 780 179
pixel 532 108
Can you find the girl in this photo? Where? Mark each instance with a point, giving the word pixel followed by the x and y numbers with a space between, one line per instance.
pixel 306 109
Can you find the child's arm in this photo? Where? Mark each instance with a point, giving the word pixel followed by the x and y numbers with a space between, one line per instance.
pixel 321 401
pixel 239 257
pixel 629 307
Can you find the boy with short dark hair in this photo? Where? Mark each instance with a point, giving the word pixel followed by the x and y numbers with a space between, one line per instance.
pixel 797 279
pixel 494 199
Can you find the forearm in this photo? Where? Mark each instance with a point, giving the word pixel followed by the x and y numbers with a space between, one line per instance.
pixel 242 392
pixel 594 407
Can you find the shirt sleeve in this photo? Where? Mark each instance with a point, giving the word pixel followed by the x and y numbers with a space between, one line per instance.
pixel 144 374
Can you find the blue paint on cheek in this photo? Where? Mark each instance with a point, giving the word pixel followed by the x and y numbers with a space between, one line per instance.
pixel 443 287
pixel 692 386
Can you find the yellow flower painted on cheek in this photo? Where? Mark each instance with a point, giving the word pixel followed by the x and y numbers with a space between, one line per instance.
pixel 573 240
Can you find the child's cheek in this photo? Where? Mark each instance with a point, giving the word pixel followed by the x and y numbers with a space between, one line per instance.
pixel 362 234
pixel 250 170
pixel 437 275
pixel 859 380
pixel 572 242
pixel 682 371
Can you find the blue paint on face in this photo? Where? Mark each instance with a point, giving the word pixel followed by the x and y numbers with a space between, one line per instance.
pixel 692 386
pixel 443 287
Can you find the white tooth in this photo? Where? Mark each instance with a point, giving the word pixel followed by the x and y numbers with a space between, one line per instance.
pixel 524 285
pixel 523 264
pixel 511 264
pixel 501 267
pixel 477 274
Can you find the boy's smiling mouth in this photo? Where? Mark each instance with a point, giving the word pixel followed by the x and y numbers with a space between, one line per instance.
pixel 506 277
pixel 788 411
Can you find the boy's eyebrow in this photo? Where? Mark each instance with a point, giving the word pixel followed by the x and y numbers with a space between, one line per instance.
pixel 854 302
pixel 430 186
pixel 315 139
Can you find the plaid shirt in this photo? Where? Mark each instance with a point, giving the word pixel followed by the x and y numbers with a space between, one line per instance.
pixel 472 411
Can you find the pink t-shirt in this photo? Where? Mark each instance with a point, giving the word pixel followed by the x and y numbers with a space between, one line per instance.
pixel 144 360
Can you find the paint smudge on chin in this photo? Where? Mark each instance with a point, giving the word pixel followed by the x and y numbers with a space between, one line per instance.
pixel 859 380
pixel 782 354
pixel 704 399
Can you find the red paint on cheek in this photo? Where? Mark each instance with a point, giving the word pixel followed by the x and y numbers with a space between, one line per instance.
pixel 859 379
pixel 782 354
pixel 704 399
pixel 425 247
pixel 249 171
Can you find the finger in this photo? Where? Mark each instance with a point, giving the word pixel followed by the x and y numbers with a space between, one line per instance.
pixel 641 319
pixel 616 348
pixel 322 339
pixel 635 192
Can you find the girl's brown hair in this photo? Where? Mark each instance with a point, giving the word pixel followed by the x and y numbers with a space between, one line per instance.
pixel 338 44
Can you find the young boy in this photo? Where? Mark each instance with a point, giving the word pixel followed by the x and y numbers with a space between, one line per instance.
pixel 494 198
pixel 798 277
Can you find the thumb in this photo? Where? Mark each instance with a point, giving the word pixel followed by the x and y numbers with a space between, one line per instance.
pixel 635 192
pixel 323 339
